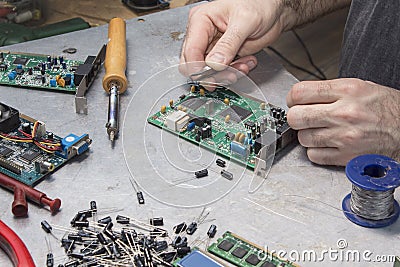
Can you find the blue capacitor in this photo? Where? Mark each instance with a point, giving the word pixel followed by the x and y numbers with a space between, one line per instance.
pixel 191 126
pixel 12 75
pixel 53 83
pixel 238 149
pixel 19 66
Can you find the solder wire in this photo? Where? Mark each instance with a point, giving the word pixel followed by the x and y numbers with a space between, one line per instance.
pixel 372 205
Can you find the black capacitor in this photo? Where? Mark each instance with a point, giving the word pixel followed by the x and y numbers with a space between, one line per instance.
pixel 212 231
pixel 159 221
pixel 46 226
pixel 93 206
pixel 43 79
pixel 115 250
pixel 182 243
pixel 105 220
pixel 74 263
pixel 183 251
pixel 30 71
pixel 74 237
pixel 176 241
pixel 26 128
pixel 122 219
pixel 138 262
pixel 161 246
pixel 81 224
pixel 109 226
pixel 140 198
pixel 180 228
pixel 101 238
pixel 191 228
pixel 110 234
pixel 201 173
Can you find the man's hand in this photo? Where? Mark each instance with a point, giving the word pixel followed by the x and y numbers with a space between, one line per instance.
pixel 340 119
pixel 220 30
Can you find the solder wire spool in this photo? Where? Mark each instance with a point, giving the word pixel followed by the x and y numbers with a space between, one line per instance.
pixel 371 202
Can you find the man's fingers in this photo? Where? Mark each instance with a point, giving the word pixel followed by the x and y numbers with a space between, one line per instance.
pixel 318 137
pixel 227 47
pixel 327 156
pixel 309 116
pixel 317 92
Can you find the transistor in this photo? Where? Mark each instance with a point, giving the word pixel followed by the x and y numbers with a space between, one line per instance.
pixel 201 173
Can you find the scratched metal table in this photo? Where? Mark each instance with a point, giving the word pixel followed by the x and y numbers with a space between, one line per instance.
pixel 286 213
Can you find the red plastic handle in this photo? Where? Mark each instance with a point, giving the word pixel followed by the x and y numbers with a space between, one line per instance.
pixel 14 247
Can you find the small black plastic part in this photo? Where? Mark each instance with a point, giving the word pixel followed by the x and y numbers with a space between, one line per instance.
pixel 122 219
pixel 105 220
pixel 212 231
pixel 180 228
pixel 159 221
pixel 201 173
pixel 191 228
pixel 140 198
pixel 46 226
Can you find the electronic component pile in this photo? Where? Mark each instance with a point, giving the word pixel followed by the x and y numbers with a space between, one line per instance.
pixel 233 126
pixel 28 152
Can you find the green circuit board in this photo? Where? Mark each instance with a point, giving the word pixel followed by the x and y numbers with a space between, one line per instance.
pixel 28 159
pixel 232 125
pixel 38 71
pixel 243 253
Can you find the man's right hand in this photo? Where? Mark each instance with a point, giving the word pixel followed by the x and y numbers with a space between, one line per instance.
pixel 220 30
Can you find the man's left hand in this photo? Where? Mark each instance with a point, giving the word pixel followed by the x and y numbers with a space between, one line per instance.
pixel 341 119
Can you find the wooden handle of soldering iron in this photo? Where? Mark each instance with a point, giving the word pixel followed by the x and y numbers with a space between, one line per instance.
pixel 115 62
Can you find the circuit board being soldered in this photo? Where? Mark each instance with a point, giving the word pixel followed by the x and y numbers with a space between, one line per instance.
pixel 28 152
pixel 38 71
pixel 232 125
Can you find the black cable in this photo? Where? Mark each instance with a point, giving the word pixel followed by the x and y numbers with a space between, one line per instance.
pixel 294 65
pixel 308 54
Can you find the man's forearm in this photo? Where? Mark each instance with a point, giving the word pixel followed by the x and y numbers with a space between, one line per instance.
pixel 299 12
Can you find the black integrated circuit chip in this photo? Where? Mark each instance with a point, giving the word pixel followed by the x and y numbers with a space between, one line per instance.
pixel 225 245
pixel 30 155
pixel 5 151
pixel 239 252
pixel 268 264
pixel 253 259
pixel 20 61
pixel 236 113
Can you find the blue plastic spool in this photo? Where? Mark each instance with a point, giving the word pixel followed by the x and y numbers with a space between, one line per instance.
pixel 374 173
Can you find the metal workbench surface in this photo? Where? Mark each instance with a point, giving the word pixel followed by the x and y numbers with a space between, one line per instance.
pixel 286 213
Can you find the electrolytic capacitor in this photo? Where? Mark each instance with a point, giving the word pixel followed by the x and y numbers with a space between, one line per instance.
pixel 26 128
pixel 191 228
pixel 212 231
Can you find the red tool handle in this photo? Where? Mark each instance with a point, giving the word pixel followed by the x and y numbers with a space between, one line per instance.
pixel 14 247
pixel 22 191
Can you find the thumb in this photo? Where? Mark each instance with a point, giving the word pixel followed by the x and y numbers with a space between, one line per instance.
pixel 226 48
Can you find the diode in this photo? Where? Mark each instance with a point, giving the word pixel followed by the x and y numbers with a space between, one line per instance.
pixel 371 202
